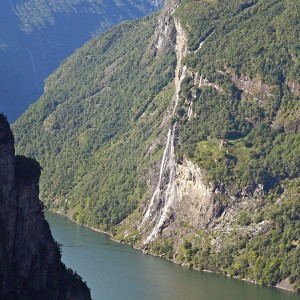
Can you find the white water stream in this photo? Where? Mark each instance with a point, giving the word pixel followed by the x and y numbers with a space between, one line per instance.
pixel 164 197
pixel 156 193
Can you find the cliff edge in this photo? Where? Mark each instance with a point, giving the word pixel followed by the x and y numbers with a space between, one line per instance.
pixel 29 257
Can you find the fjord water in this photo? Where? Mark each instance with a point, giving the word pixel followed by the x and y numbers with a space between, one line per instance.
pixel 115 271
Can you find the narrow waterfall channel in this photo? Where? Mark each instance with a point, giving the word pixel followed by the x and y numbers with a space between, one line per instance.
pixel 156 193
pixel 166 194
pixel 164 198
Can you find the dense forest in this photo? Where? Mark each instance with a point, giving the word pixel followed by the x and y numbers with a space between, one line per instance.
pixel 261 120
pixel 245 130
pixel 99 132
pixel 105 92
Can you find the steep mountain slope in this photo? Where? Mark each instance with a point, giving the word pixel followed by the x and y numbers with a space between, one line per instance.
pixel 124 93
pixel 36 36
pixel 29 257
pixel 179 133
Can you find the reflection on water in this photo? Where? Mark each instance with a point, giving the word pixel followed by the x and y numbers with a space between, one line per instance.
pixel 115 271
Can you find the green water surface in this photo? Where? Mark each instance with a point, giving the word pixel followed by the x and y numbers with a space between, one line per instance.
pixel 115 271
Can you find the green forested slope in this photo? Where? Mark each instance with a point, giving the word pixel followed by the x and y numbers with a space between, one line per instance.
pixel 251 55
pixel 103 110
pixel 252 40
pixel 90 129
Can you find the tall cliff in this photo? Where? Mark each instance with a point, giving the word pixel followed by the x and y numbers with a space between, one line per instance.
pixel 30 259
pixel 179 134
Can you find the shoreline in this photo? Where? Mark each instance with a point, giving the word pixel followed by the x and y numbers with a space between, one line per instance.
pixel 278 286
pixel 110 236
pixel 92 228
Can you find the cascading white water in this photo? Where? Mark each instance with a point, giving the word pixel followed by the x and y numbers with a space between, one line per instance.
pixel 34 69
pixel 156 193
pixel 178 88
pixel 168 190
pixel 201 44
pixel 163 203
pixel 164 198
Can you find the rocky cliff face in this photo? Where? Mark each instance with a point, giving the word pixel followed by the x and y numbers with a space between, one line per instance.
pixel 29 257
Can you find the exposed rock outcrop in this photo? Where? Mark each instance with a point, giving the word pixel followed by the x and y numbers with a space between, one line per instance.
pixel 254 87
pixel 29 257
pixel 294 87
pixel 197 205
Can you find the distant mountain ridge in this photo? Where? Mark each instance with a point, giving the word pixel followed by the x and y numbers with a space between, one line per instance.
pixel 39 14
pixel 36 36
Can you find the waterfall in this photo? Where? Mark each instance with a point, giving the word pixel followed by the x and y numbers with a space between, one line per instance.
pixel 156 193
pixel 34 69
pixel 167 192
pixel 164 198
pixel 201 44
